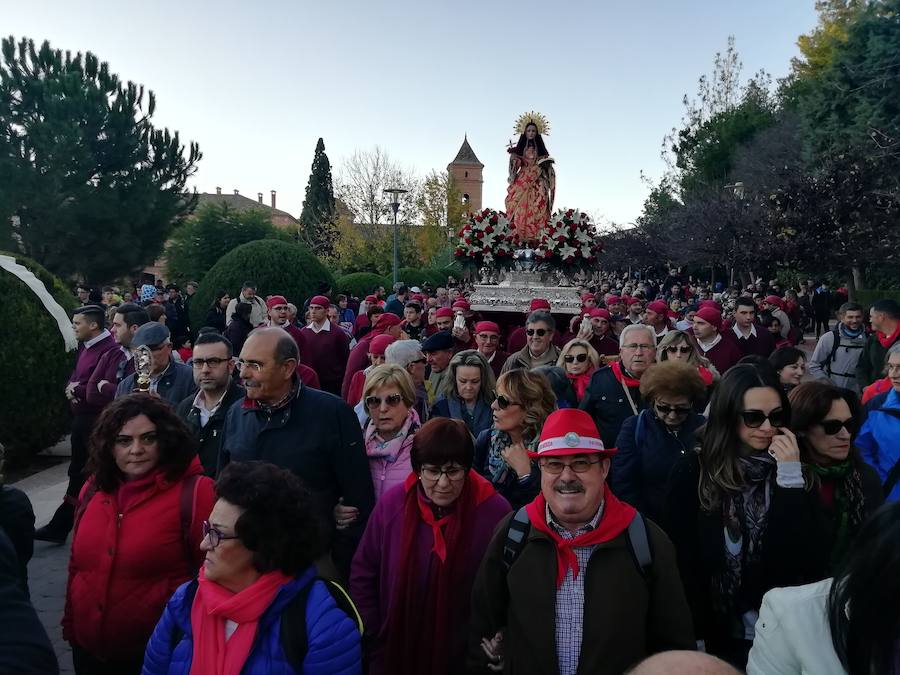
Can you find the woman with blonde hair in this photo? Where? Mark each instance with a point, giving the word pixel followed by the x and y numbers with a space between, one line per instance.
pixel 467 392
pixel 524 400
pixel 681 345
pixel 579 360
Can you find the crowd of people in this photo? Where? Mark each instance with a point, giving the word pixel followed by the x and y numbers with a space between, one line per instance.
pixel 665 482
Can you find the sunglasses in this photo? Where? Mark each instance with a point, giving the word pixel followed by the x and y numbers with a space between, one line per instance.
pixel 581 358
pixel 540 332
pixel 831 427
pixel 503 403
pixel 672 410
pixel 392 401
pixel 755 418
pixel 683 349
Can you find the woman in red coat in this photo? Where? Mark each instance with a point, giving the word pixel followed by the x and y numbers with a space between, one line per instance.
pixel 137 533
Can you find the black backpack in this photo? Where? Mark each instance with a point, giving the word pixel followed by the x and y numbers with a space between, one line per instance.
pixel 638 543
pixel 293 619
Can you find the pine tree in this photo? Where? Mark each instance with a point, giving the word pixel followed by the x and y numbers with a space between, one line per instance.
pixel 317 228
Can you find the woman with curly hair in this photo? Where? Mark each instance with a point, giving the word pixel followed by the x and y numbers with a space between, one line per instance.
pixel 258 606
pixel 137 532
pixel 412 574
pixel 738 513
pixel 467 392
pixel 826 419
pixel 524 400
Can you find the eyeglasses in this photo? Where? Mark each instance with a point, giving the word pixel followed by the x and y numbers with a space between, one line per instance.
pixel 216 537
pixel 638 347
pixel 241 363
pixel 556 467
pixel 540 332
pixel 755 418
pixel 679 411
pixel 392 401
pixel 683 349
pixel 581 358
pixel 503 403
pixel 212 362
pixel 454 473
pixel 831 427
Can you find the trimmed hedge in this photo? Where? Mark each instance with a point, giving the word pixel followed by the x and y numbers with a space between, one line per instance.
pixel 277 267
pixel 35 413
pixel 360 284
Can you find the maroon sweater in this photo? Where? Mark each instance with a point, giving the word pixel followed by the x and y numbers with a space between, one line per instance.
pixel 84 368
pixel 762 344
pixel 107 371
pixel 724 355
pixel 326 352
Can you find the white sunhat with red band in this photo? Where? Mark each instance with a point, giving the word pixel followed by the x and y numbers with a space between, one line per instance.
pixel 570 432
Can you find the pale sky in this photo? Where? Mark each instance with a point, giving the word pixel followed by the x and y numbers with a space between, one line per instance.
pixel 256 84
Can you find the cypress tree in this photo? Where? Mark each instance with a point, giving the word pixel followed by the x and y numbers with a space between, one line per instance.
pixel 317 219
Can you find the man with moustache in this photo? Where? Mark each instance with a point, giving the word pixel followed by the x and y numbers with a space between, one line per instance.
pixel 580 560
pixel 614 394
pixel 314 434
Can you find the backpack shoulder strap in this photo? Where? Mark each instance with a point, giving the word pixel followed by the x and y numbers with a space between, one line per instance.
pixel 189 595
pixel 836 337
pixel 891 479
pixel 639 544
pixel 516 533
pixel 89 493
pixel 639 428
pixel 294 640
pixel 187 508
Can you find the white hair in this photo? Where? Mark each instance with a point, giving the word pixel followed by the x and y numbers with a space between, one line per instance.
pixel 638 326
pixel 403 352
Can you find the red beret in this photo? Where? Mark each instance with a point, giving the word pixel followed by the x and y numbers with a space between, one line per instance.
pixel 379 343
pixel 487 327
pixel 775 300
pixel 711 303
pixel 628 300
pixel 613 300
pixel 587 296
pixel 274 300
pixel 659 307
pixel 418 297
pixel 371 299
pixel 444 312
pixel 601 313
pixel 539 303
pixel 320 300
pixel 387 320
pixel 463 305
pixel 710 315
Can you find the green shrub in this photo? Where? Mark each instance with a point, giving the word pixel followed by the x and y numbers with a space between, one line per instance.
pixel 866 296
pixel 360 284
pixel 35 413
pixel 277 267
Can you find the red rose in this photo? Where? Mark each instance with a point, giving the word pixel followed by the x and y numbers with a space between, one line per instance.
pixel 478 219
pixel 489 229
pixel 493 220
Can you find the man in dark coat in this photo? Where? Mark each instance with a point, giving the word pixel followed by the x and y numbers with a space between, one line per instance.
pixel 217 391
pixel 314 434
pixel 170 380
pixel 593 587
pixel 614 394
pixel 89 324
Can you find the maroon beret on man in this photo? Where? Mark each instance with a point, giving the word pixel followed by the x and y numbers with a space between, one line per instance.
pixel 275 300
pixel 387 320
pixel 444 312
pixel 659 307
pixel 600 313
pixel 487 327
pixel 463 305
pixel 539 303
pixel 320 300
pixel 379 344
pixel 711 315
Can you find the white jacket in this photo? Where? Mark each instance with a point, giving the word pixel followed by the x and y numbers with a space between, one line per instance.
pixel 792 634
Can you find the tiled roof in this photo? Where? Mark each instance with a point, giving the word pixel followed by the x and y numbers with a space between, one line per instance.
pixel 466 155
pixel 240 202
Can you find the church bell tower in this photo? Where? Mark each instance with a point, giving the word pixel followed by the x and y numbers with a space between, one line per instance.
pixel 465 171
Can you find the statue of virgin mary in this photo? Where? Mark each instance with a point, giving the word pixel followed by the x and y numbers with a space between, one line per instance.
pixel 532 179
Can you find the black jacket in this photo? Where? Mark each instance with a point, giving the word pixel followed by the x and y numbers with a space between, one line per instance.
pixel 517 492
pixel 210 436
pixel 790 555
pixel 319 438
pixel 17 521
pixel 607 403
pixel 216 318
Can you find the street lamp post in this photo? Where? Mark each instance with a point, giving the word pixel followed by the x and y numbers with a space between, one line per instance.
pixel 395 206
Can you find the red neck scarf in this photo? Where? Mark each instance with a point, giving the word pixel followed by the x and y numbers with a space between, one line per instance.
pixel 619 372
pixel 432 590
pixel 706 374
pixel 213 605
pixel 616 518
pixel 581 382
pixel 887 340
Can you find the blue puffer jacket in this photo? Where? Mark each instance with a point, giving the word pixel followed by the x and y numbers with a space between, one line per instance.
pixel 333 638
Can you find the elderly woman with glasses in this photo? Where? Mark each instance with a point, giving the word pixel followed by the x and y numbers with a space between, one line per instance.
pixel 257 606
pixel 651 442
pixel 524 400
pixel 467 392
pixel 137 532
pixel 579 360
pixel 412 574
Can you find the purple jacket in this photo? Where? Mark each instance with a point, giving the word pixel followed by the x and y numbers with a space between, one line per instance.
pixel 84 368
pixel 376 565
pixel 107 371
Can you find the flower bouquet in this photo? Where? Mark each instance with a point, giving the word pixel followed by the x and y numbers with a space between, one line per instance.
pixel 568 241
pixel 485 240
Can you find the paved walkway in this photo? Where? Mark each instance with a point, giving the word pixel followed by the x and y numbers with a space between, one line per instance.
pixel 48 569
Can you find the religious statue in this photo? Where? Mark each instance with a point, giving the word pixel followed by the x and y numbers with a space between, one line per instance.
pixel 532 180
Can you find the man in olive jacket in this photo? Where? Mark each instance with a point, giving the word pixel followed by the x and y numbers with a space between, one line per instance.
pixel 594 587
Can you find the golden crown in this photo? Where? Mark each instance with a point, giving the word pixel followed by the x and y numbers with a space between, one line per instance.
pixel 536 118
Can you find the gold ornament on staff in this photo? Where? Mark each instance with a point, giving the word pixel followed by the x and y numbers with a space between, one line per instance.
pixel 536 118
pixel 143 358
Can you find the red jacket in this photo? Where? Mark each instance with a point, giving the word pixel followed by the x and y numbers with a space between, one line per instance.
pixel 125 566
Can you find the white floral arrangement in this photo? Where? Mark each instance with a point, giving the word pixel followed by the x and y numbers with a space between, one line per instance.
pixel 569 240
pixel 486 239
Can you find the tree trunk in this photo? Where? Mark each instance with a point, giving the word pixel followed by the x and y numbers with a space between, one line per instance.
pixel 857 280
